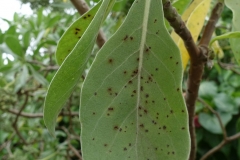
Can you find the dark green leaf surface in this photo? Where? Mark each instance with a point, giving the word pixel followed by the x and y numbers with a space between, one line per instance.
pixel 73 34
pixel 131 102
pixel 14 45
pixel 71 70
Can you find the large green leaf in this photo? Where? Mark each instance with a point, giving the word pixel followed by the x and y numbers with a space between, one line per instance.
pixel 73 34
pixel 131 101
pixel 234 5
pixel 71 70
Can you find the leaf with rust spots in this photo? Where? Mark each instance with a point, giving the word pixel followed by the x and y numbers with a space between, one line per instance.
pixel 149 111
pixel 73 34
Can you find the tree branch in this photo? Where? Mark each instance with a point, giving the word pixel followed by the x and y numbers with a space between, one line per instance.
pixel 82 8
pixel 198 57
pixel 210 27
pixel 217 115
pixel 38 115
pixel 16 119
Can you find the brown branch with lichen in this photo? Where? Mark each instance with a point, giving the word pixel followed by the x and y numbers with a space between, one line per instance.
pixel 198 57
pixel 225 140
pixel 82 8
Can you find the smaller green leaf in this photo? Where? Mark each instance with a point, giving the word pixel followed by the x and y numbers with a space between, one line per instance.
pixel 14 45
pixel 224 103
pixel 71 69
pixel 211 123
pixel 52 21
pixel 21 79
pixel 207 89
pixel 1 37
pixel 11 31
pixel 72 35
pixel 225 36
pixel 26 39
pixel 38 76
pixel 39 16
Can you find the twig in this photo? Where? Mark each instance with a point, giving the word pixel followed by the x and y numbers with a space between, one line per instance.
pixel 217 115
pixel 198 57
pixel 210 27
pixel 228 67
pixel 74 150
pixel 38 115
pixel 16 119
pixel 225 140
pixel 82 8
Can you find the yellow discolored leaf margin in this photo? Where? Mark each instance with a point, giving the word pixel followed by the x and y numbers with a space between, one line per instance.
pixel 194 18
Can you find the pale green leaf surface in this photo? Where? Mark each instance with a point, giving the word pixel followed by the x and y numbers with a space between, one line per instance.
pixel 131 101
pixel 72 35
pixel 71 70
pixel 225 36
pixel 234 5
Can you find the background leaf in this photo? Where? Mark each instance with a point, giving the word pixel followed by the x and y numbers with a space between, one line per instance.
pixel 234 5
pixel 131 98
pixel 38 76
pixel 14 45
pixel 211 123
pixel 21 78
pixel 71 70
pixel 226 35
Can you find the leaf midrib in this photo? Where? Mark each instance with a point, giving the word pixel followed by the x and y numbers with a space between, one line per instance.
pixel 142 45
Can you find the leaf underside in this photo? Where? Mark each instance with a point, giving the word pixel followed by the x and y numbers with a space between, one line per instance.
pixel 131 101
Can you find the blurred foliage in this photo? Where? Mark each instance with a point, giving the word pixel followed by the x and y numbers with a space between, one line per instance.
pixel 27 65
pixel 220 89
